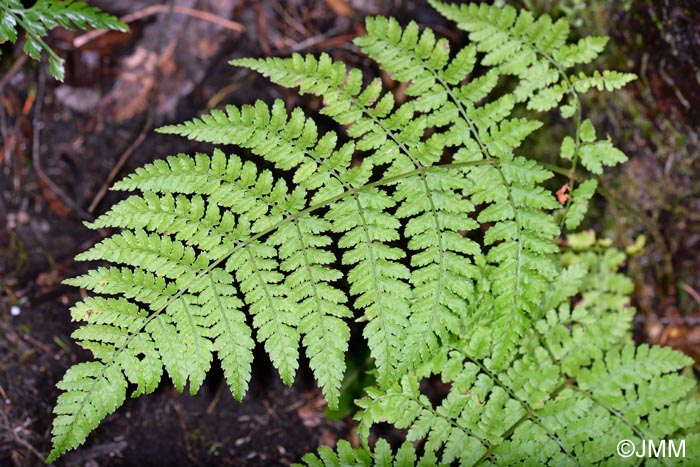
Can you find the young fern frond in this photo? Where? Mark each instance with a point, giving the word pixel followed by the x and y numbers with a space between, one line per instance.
pixel 426 226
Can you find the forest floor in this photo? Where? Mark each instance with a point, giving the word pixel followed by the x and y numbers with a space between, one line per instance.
pixel 64 144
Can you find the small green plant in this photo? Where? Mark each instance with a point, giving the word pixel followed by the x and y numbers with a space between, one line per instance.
pixel 446 239
pixel 45 15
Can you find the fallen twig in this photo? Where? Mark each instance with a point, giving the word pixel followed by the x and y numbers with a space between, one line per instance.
pixel 320 39
pixel 120 163
pixel 692 292
pixel 157 9
pixel 9 428
pixel 101 450
pixel 36 160
pixel 12 71
pixel 148 124
pixel 217 397
pixel 37 343
pixel 666 320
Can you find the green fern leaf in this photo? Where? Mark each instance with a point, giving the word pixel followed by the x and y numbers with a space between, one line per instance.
pixel 536 51
pixel 229 332
pixel 8 23
pixel 69 14
pixel 293 144
pixel 376 276
pixel 274 316
pixel 584 51
pixel 581 196
pixel 321 306
pixel 595 155
pixel 607 81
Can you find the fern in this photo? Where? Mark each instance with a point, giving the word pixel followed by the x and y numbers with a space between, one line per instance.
pixel 217 252
pixel 593 387
pixel 45 15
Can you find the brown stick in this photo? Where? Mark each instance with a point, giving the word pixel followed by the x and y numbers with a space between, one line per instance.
pixel 152 97
pixel 120 163
pixel 157 9
pixel 36 159
pixel 12 71
pixel 692 292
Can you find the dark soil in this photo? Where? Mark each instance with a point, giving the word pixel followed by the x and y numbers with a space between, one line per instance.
pixel 61 141
pixel 660 42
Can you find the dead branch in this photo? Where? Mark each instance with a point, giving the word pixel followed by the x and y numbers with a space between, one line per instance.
pixel 157 9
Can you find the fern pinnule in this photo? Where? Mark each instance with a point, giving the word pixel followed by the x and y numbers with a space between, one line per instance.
pixel 381 455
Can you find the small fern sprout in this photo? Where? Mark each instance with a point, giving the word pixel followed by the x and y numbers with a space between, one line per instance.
pixel 442 242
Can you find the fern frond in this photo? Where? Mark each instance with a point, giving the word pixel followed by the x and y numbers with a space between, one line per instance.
pixel 189 321
pixel 270 133
pixel 179 232
pixel 228 330
pixel 288 142
pixel 135 283
pixel 429 218
pixel 376 277
pixel 515 42
pixel 8 22
pixel 344 98
pixel 187 218
pixel 579 205
pixel 442 278
pixel 523 237
pixel 440 252
pixel 607 80
pixel 408 54
pixel 593 386
pixel 156 253
pixel 69 14
pixel 93 390
pixel 293 144
pixel 534 50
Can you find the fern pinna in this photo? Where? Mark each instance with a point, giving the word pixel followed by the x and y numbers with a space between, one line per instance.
pixel 425 225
